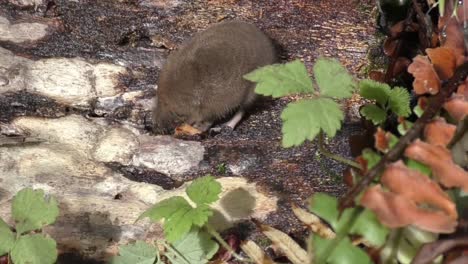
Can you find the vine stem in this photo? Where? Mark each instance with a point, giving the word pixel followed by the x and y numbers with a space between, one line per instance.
pixel 395 153
pixel 175 252
pixel 336 157
pixel 340 235
pixel 223 243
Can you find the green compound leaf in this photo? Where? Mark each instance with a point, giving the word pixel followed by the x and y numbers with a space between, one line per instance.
pixel 374 113
pixel 368 226
pixel 399 101
pixel 179 216
pixel 325 206
pixel 373 90
pixel 354 220
pixel 196 247
pixel 166 208
pixel 34 249
pixel 204 190
pixel 304 119
pixel 32 210
pixel 342 253
pixel 333 79
pixel 281 79
pixel 137 253
pixel 7 238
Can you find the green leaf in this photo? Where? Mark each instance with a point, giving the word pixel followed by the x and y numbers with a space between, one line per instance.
pixel 333 79
pixel 196 247
pixel 374 113
pixel 281 79
pixel 137 253
pixel 393 141
pixel 368 226
pixel 179 216
pixel 7 238
pixel 342 253
pixel 326 207
pixel 204 190
pixel 166 208
pixel 352 221
pixel 399 101
pixel 373 90
pixel 32 210
pixel 304 119
pixel 34 249
pixel 403 128
pixel 416 165
pixel 366 223
pixel 371 157
pixel 418 111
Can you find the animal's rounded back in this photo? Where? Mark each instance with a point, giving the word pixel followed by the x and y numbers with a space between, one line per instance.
pixel 202 81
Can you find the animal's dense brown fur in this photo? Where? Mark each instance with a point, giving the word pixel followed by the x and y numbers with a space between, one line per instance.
pixel 202 81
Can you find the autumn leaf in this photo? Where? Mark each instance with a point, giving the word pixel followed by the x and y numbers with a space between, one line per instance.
pixel 426 79
pixel 462 89
pixel 417 187
pixel 384 140
pixel 443 61
pixel 457 107
pixel 439 132
pixel 453 37
pixel 411 194
pixel 396 211
pixel 439 159
pixel 186 130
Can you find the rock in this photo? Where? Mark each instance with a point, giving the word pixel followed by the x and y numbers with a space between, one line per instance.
pixel 98 206
pixel 117 145
pixel 91 219
pixel 26 3
pixel 73 131
pixel 243 164
pixel 169 155
pixel 73 81
pixel 110 105
pixel 12 71
pixel 69 81
pixel 21 32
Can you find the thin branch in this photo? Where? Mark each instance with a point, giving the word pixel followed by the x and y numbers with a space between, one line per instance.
pixel 395 153
pixel 425 25
pixel 225 245
pixel 336 157
pixel 461 130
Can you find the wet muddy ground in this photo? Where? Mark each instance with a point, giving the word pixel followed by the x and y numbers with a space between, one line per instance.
pixel 139 34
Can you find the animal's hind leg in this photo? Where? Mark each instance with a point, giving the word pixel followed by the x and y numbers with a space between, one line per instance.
pixel 235 119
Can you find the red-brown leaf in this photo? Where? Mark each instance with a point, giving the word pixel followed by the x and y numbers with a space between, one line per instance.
pixel 439 159
pixel 425 77
pixel 417 187
pixel 439 132
pixel 457 106
pixel 443 61
pixel 451 35
pixel 396 211
pixel 389 46
pixel 381 140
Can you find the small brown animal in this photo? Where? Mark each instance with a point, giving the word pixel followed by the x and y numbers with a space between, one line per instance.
pixel 202 81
